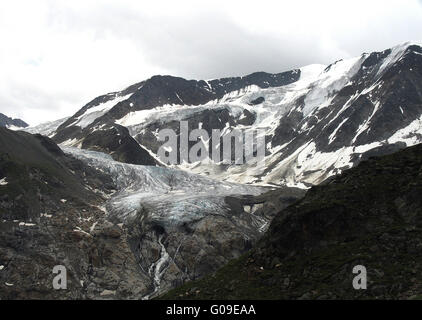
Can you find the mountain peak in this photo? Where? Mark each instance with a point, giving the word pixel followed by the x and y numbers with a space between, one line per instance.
pixel 10 123
pixel 318 119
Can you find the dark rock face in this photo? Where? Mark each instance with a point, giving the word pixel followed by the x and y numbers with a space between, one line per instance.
pixel 208 120
pixel 161 90
pixel 113 139
pixel 257 101
pixel 5 121
pixel 370 215
pixel 120 144
pixel 50 216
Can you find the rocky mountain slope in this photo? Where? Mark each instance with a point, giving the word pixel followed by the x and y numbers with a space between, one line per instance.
pixel 50 215
pixel 182 226
pixel 127 225
pixel 123 231
pixel 10 123
pixel 370 215
pixel 318 120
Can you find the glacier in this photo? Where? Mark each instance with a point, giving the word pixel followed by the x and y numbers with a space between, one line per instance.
pixel 171 196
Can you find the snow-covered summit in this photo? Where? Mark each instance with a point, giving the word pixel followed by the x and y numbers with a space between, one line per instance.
pixel 336 114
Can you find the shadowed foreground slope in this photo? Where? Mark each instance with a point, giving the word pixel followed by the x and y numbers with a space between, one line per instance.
pixel 370 215
pixel 49 216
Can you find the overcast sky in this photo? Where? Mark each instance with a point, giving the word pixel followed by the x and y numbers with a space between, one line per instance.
pixel 55 55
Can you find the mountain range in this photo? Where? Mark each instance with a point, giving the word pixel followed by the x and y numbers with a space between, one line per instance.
pixel 131 226
pixel 14 124
pixel 318 120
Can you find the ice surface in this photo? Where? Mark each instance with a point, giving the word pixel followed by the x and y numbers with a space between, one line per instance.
pixel 46 128
pixel 331 80
pixel 396 54
pixel 95 112
pixel 307 165
pixel 169 195
pixel 14 128
pixel 411 135
pixel 3 182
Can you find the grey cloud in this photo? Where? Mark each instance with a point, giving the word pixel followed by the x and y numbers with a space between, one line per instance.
pixel 211 45
pixel 23 101
pixel 202 46
pixel 212 48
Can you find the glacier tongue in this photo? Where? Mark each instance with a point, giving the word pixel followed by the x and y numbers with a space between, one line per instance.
pixel 181 225
pixel 171 196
